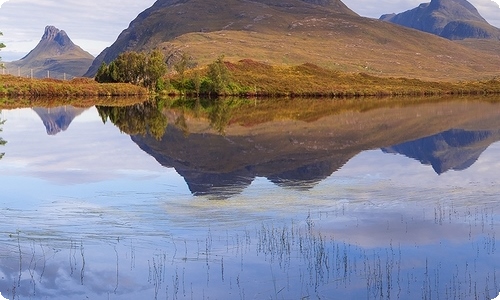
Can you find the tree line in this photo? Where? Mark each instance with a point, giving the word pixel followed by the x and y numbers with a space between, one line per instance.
pixel 151 71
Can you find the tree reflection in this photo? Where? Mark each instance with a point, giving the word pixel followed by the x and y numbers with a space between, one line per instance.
pixel 2 141
pixel 218 111
pixel 139 119
pixel 220 114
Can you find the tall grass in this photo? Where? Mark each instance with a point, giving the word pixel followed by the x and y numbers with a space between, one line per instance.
pixel 252 78
pixel 11 86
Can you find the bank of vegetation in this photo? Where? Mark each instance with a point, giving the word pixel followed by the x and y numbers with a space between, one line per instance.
pixel 251 78
pixel 12 86
pixel 151 73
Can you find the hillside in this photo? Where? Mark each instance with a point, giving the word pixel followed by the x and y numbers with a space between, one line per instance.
pixel 451 19
pixel 295 32
pixel 55 53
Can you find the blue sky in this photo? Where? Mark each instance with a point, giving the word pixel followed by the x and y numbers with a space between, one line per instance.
pixel 94 25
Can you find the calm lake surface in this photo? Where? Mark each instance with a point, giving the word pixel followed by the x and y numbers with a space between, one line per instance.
pixel 320 199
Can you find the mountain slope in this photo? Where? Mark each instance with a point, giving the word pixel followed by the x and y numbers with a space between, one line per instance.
pixel 55 53
pixel 451 19
pixel 168 19
pixel 294 32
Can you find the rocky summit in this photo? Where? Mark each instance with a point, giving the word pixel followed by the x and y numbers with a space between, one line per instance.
pixel 55 56
pixel 451 19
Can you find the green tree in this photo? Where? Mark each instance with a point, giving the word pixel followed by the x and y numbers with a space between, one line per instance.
pixel 197 82
pixel 184 63
pixel 135 68
pixel 103 74
pixel 154 70
pixel 219 76
pixel 2 45
pixel 131 67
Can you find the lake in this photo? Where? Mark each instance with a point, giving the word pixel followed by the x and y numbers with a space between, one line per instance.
pixel 252 199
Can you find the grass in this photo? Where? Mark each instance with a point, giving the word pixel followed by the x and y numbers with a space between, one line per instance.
pixel 11 86
pixel 252 78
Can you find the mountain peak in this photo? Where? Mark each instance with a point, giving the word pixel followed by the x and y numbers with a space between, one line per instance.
pixel 55 53
pixel 54 34
pixel 451 19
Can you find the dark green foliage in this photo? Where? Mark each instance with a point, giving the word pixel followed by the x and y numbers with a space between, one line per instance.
pixel 214 80
pixel 136 68
pixel 184 63
pixel 155 68
pixel 219 76
pixel 2 45
pixel 138 119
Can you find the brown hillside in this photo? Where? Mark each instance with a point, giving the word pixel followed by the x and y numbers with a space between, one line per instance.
pixel 296 32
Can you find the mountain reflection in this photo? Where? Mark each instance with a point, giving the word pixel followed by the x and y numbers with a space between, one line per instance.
pixel 57 119
pixel 300 142
pixel 450 150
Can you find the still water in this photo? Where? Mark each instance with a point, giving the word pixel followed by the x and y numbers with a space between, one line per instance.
pixel 297 199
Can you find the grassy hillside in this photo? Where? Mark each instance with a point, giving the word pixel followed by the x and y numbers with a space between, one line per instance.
pixel 249 77
pixel 296 34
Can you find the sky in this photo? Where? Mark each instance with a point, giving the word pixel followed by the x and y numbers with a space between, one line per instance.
pixel 94 25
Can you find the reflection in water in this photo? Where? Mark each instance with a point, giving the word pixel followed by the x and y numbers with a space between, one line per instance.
pixel 306 213
pixel 137 119
pixel 325 254
pixel 57 119
pixel 221 147
pixel 2 141
pixel 450 150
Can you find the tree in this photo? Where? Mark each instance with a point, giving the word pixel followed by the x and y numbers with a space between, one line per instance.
pixel 136 68
pixel 181 67
pixel 155 69
pixel 2 45
pixel 131 67
pixel 219 75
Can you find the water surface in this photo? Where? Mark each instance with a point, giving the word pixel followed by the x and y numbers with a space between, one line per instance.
pixel 318 200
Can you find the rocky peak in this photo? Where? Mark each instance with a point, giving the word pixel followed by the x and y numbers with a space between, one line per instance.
pixel 59 36
pixel 452 19
pixel 55 53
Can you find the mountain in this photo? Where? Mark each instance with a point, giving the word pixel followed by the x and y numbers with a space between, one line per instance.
pixel 451 19
pixel 57 119
pixel 56 54
pixel 292 32
pixel 454 149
